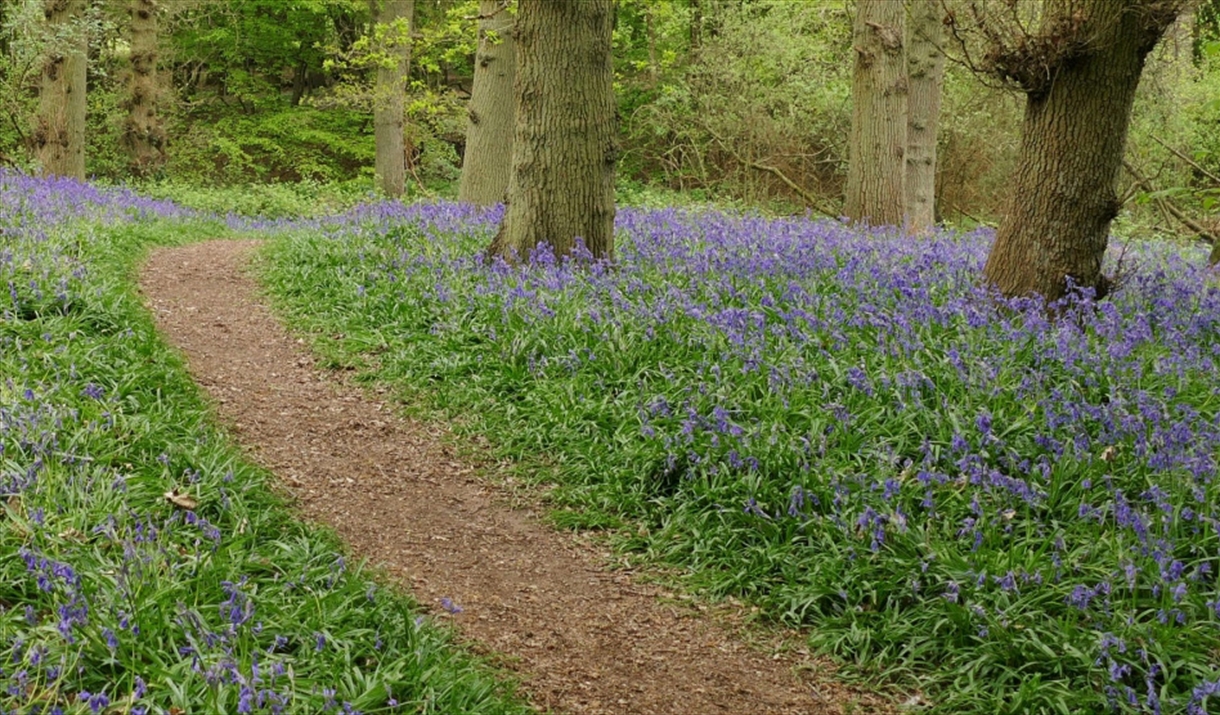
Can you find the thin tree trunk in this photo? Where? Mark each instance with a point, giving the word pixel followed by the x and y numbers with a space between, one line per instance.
pixel 653 65
pixel 300 82
pixel 4 37
pixel 696 26
pixel 1075 128
pixel 565 148
pixel 487 162
pixel 876 170
pixel 143 134
pixel 59 132
pixel 393 18
pixel 925 75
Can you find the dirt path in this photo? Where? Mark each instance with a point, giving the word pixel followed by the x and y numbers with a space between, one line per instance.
pixel 585 640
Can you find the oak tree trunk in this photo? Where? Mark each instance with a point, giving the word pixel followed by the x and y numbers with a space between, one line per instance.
pixel 1077 111
pixel 925 77
pixel 143 133
pixel 876 170
pixel 393 20
pixel 487 162
pixel 565 147
pixel 59 132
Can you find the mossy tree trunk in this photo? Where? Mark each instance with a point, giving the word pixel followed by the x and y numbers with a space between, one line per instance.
pixel 487 162
pixel 565 146
pixel 392 25
pixel 59 131
pixel 1079 75
pixel 143 133
pixel 925 76
pixel 876 169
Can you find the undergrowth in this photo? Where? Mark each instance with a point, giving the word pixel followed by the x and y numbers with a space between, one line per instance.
pixel 1010 513
pixel 114 598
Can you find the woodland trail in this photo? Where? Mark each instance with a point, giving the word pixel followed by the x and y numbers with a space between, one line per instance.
pixel 583 639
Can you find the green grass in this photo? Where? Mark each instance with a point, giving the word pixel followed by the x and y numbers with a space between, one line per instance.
pixel 1010 514
pixel 109 593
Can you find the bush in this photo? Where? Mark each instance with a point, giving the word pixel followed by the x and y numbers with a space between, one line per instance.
pixel 301 199
pixel 282 145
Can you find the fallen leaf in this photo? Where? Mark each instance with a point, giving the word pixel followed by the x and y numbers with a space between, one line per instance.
pixel 182 501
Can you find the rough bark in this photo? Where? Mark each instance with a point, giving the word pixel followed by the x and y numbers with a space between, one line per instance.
pixel 143 133
pixel 59 131
pixel 876 171
pixel 390 164
pixel 487 162
pixel 1073 136
pixel 565 147
pixel 925 77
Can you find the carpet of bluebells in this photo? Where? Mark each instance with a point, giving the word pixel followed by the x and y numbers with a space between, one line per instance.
pixel 1009 511
pixel 113 599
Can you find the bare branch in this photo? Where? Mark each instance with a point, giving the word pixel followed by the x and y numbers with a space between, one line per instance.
pixel 501 7
pixel 1186 159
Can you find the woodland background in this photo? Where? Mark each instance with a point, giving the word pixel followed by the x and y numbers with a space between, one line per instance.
pixel 972 500
pixel 737 101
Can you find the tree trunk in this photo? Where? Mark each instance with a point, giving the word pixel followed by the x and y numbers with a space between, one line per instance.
pixel 487 162
pixel 876 170
pixel 653 65
pixel 393 23
pixel 4 36
pixel 1077 112
pixel 565 147
pixel 925 76
pixel 696 26
pixel 143 134
pixel 59 133
pixel 300 82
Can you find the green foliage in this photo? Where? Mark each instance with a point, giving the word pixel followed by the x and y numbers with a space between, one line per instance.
pixel 304 198
pixel 447 42
pixel 767 87
pixel 1174 143
pixel 436 123
pixel 1206 41
pixel 288 144
pixel 372 51
pixel 255 49
pixel 22 41
pixel 105 156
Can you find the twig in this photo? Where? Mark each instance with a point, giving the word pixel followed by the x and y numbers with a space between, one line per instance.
pixel 1167 206
pixel 808 197
pixel 968 215
pixel 423 189
pixel 813 202
pixel 501 7
pixel 1186 159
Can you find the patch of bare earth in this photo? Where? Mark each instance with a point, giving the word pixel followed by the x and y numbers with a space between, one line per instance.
pixel 583 638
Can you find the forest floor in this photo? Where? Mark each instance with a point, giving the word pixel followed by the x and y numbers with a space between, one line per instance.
pixel 583 636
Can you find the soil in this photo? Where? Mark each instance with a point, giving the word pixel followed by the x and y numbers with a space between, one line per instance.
pixel 584 638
